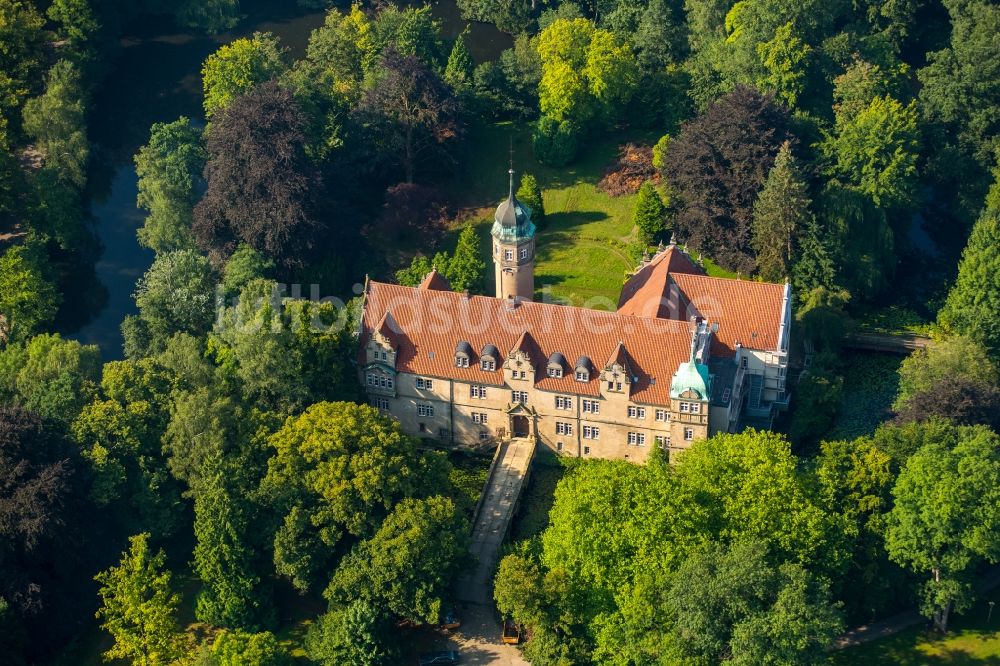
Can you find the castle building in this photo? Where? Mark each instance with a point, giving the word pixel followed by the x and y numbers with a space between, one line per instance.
pixel 684 356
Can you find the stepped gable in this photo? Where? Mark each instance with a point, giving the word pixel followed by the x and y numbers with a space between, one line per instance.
pixel 432 323
pixel 672 286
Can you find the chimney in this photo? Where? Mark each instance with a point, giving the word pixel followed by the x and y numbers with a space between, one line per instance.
pixel 465 294
pixel 510 304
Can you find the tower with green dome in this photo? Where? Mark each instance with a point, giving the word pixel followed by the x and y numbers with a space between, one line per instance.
pixel 514 248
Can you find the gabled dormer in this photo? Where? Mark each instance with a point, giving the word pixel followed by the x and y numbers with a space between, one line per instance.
pixel 383 344
pixel 583 369
pixel 520 363
pixel 616 377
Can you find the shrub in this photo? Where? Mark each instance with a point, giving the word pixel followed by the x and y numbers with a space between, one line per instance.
pixel 555 142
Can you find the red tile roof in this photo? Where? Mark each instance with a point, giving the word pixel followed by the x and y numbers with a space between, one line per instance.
pixel 436 281
pixel 671 286
pixel 431 323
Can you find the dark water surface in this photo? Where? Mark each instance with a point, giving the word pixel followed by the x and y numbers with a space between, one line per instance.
pixel 156 77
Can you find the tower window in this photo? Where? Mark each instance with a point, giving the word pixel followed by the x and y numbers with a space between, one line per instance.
pixel 508 255
pixel 524 252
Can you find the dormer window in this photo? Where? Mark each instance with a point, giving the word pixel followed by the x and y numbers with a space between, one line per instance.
pixel 555 365
pixel 582 375
pixel 462 354
pixel 488 358
pixel 582 369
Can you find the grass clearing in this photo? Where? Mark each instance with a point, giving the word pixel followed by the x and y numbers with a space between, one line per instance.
pixel 972 641
pixel 587 243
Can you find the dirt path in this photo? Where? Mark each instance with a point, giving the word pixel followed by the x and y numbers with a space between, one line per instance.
pixel 904 620
pixel 478 639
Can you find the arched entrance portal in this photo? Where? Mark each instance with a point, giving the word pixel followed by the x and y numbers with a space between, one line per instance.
pixel 519 425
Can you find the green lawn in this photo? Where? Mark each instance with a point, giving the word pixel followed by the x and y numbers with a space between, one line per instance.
pixel 971 642
pixel 587 243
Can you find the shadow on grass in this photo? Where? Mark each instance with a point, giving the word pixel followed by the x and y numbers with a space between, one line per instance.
pixel 562 222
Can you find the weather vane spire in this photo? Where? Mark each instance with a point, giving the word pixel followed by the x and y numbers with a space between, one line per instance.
pixel 511 170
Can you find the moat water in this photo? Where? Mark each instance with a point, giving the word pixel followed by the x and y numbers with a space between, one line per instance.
pixel 156 78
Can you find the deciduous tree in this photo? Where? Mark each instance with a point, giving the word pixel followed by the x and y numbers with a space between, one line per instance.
pixel 946 501
pixel 262 189
pixel 717 165
pixel 56 121
pixel 236 68
pixel 169 169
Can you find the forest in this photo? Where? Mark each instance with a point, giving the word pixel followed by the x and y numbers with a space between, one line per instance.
pixel 216 491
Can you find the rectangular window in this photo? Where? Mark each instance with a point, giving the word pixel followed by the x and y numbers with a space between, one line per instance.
pixel 586 450
pixel 371 380
pixel 479 417
pixel 564 428
pixel 637 438
pixel 423 427
pixel 483 435
pixel 524 252
pixel 636 412
pixel 688 434
pixel 426 384
pixel 696 408
pixel 563 402
pixel 508 255
pixel 425 410
pixel 462 361
pixel 743 361
pixel 488 364
pixel 524 375
pixel 477 391
pixel 661 415
pixel 591 407
pixel 519 396
pixel 385 357
pixel 663 441
pixel 581 375
pixel 591 432
pixel 559 446
pixel 382 403
pixel 618 386
pixel 555 372
pixel 685 407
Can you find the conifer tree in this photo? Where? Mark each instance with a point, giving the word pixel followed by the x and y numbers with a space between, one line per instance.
pixel 466 269
pixel 813 266
pixel 139 606
pixel 530 194
pixel 458 71
pixel 222 560
pixel 974 300
pixel 649 213
pixel 781 214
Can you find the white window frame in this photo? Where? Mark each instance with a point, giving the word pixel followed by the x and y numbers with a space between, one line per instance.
pixel 637 439
pixel 508 255
pixel 582 376
pixel 477 391
pixel 591 432
pixel 591 407
pixel 480 417
pixel 520 397
pixel 425 411
pixel 685 407
pixel 424 384
pixel 382 404
pixel 564 402
pixel 661 415
pixel 563 428
pixel 663 440
pixel 555 372
pixel 488 364
pixel 688 434
pixel 461 361
pixel 696 408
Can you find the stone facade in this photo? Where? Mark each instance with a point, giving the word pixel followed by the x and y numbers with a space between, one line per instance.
pixel 685 356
